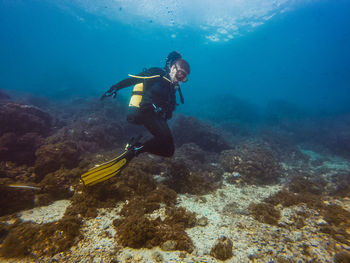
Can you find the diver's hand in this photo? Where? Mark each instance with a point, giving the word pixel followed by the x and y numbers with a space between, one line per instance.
pixel 111 92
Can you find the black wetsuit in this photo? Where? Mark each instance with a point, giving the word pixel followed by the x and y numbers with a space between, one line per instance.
pixel 156 107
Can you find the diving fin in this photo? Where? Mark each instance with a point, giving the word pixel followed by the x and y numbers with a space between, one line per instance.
pixel 107 170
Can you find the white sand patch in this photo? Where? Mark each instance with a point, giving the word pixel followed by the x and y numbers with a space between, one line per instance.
pixel 45 214
pixel 98 244
pixel 236 200
pixel 335 163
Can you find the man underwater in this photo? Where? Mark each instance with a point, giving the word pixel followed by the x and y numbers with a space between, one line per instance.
pixel 151 104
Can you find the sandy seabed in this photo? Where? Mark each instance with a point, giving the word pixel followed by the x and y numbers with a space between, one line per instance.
pixel 252 241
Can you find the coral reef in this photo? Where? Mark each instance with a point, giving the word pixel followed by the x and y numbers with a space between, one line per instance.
pixel 254 162
pixel 222 249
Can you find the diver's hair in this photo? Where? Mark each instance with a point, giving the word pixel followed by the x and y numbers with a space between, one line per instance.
pixel 170 60
pixel 183 64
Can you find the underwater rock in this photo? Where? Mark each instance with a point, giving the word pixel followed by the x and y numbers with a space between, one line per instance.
pixel 337 139
pixel 265 213
pixel 341 185
pixel 222 249
pixel 328 134
pixel 301 185
pixel 187 129
pixel 94 126
pixel 180 216
pixel 193 153
pixel 57 186
pixel 22 128
pixel 342 257
pixel 198 159
pixel 157 256
pixel 138 232
pixel 4 96
pixel 203 221
pixel 20 148
pixel 4 230
pixel 30 239
pixel 21 119
pixel 283 113
pixel 15 199
pixel 193 179
pixel 136 229
pixel 255 163
pixel 284 147
pixel 337 219
pixel 168 245
pixel 50 157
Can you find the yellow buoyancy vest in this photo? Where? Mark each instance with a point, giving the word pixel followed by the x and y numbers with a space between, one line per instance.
pixel 137 92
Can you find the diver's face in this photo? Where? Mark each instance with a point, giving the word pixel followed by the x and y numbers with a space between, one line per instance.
pixel 177 74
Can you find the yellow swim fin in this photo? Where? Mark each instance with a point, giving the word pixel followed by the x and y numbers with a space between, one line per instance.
pixel 106 170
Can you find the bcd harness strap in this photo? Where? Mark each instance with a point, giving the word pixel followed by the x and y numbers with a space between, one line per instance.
pixel 137 93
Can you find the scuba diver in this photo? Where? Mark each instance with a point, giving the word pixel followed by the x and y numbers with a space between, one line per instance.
pixel 151 104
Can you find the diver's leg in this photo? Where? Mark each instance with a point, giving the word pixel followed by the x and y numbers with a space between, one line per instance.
pixel 162 143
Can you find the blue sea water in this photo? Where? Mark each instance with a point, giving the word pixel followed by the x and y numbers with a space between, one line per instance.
pixel 273 73
pixel 257 51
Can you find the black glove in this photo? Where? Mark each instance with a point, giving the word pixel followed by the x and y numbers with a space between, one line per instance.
pixel 169 115
pixel 111 92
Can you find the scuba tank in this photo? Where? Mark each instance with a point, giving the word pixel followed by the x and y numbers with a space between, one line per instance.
pixel 137 92
pixel 136 95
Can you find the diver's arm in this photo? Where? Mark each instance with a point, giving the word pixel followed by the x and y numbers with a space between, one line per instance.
pixel 133 80
pixel 120 85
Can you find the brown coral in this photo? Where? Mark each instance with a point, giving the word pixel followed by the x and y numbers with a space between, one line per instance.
pixel 138 231
pixel 222 249
pixel 265 213
pixel 14 199
pixel 50 157
pixel 26 239
pixel 253 161
pixel 195 179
